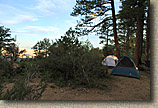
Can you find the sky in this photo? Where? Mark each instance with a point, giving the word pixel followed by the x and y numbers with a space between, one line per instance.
pixel 33 20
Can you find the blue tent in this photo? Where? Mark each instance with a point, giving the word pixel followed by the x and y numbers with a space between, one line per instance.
pixel 126 67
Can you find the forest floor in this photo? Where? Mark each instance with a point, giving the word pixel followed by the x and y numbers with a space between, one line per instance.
pixel 118 88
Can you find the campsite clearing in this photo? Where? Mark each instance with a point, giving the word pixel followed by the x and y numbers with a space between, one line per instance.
pixel 118 88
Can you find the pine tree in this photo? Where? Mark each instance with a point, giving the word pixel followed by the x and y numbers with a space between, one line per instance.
pixel 6 42
pixel 134 11
pixel 147 50
pixel 91 10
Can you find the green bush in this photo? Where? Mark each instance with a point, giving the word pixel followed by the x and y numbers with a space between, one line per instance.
pixel 1 86
pixel 22 89
pixel 52 86
pixel 5 68
pixel 70 60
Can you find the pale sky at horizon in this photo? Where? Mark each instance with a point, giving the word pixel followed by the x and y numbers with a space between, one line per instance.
pixel 34 20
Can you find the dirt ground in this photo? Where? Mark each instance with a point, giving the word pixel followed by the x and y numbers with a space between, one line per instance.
pixel 118 88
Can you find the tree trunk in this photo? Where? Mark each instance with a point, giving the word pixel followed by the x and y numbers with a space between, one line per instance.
pixel 127 41
pixel 107 38
pixel 114 30
pixel 107 43
pixel 147 50
pixel 138 43
pixel 139 35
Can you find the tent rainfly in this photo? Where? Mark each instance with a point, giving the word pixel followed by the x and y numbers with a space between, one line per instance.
pixel 126 67
pixel 110 60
